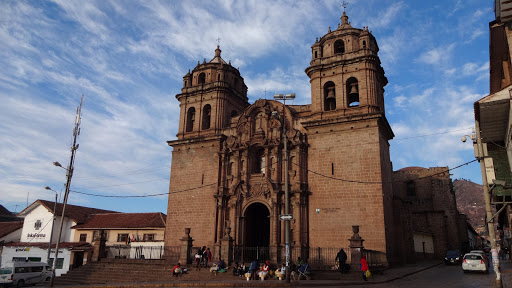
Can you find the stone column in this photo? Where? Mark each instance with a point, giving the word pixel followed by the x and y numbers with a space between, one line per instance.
pixel 226 247
pixel 356 249
pixel 186 246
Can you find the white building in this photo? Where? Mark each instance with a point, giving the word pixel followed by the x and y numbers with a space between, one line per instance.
pixel 37 228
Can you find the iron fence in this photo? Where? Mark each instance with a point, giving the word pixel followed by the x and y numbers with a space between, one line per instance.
pixel 142 252
pixel 375 258
pixel 317 257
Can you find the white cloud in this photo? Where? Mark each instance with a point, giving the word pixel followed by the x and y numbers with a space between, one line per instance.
pixel 437 56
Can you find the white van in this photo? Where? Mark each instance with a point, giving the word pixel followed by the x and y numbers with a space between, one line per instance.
pixel 22 273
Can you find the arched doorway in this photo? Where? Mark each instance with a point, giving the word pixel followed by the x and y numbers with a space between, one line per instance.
pixel 257 232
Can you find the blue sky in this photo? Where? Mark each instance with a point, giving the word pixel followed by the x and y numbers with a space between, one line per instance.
pixel 128 58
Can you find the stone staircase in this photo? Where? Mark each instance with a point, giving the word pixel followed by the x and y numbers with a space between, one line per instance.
pixel 117 271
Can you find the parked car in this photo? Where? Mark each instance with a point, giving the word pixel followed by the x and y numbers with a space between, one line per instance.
pixel 453 257
pixel 474 262
pixel 481 253
pixel 23 273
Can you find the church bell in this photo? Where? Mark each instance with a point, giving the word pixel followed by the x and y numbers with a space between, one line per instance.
pixel 353 90
pixel 330 93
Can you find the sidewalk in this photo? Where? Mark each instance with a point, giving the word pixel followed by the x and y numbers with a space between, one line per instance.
pixel 353 278
pixel 506 273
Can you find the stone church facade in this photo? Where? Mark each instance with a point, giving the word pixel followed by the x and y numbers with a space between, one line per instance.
pixel 228 171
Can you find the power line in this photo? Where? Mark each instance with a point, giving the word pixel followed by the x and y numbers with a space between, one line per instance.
pixel 433 134
pixel 158 179
pixel 314 172
pixel 381 182
pixel 143 196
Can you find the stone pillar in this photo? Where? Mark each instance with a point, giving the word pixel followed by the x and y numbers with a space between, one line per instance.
pixel 356 249
pixel 186 246
pixel 226 247
pixel 99 242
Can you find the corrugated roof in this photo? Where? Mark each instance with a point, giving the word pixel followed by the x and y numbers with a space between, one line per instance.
pixel 79 214
pixel 124 221
pixel 8 227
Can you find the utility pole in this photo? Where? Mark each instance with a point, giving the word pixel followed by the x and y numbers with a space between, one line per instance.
pixel 286 184
pixel 481 154
pixel 69 174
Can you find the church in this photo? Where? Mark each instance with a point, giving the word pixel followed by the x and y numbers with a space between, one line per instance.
pixel 231 158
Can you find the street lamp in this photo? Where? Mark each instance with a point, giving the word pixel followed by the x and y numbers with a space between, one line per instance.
pixel 69 174
pixel 480 155
pixel 286 183
pixel 53 223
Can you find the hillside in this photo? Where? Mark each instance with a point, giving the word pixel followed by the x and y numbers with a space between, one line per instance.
pixel 470 201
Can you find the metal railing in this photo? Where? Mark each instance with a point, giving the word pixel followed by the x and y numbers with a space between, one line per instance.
pixel 375 258
pixel 142 252
pixel 317 257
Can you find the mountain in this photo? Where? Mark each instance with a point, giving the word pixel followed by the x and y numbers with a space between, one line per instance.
pixel 470 201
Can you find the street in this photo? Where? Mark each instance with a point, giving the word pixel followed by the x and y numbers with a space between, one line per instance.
pixel 440 276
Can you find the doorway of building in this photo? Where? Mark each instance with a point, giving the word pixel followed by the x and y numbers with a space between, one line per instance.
pixel 78 259
pixel 257 232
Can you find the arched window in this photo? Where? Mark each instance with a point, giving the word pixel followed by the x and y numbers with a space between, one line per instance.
pixel 258 160
pixel 201 79
pixel 230 168
pixel 352 92
pixel 191 117
pixel 364 44
pixel 411 189
pixel 218 77
pixel 207 113
pixel 329 96
pixel 316 54
pixel 339 47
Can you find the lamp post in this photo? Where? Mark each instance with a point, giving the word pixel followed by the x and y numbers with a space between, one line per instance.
pixel 286 184
pixel 53 223
pixel 480 154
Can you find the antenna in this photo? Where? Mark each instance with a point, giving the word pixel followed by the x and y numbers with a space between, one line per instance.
pixel 69 174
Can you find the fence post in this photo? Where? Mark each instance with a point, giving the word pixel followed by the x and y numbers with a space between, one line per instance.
pixel 186 247
pixel 356 249
pixel 226 246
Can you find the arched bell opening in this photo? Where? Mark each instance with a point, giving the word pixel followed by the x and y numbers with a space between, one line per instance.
pixel 352 92
pixel 329 96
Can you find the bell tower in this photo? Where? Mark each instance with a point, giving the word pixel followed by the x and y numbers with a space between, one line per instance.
pixel 212 94
pixel 348 137
pixel 345 73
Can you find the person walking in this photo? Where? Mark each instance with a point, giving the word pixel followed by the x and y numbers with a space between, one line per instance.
pixel 207 257
pixel 364 267
pixel 199 256
pixel 203 254
pixel 341 257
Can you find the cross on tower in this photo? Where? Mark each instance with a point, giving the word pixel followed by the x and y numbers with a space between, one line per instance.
pixel 344 5
pixel 218 41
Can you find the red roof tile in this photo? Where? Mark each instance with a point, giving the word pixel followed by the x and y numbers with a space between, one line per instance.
pixel 79 214
pixel 5 212
pixel 124 221
pixel 8 227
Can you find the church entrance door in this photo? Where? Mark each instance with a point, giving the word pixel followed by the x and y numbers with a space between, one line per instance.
pixel 257 232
